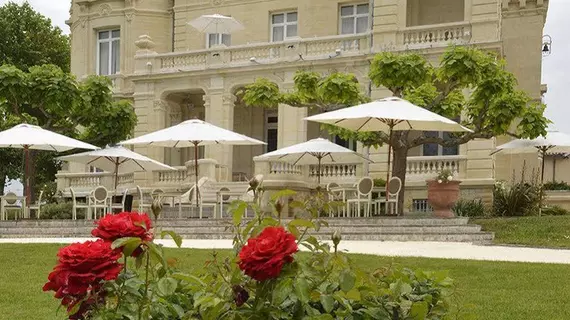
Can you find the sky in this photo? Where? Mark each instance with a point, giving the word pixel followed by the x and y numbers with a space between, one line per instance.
pixel 556 67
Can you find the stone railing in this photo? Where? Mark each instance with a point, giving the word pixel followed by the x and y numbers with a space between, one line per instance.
pixel 273 52
pixel 438 34
pixel 171 177
pixel 90 180
pixel 282 168
pixel 422 168
pixel 338 173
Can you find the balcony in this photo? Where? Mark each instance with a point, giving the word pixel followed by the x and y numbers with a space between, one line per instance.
pixel 251 54
pixel 437 35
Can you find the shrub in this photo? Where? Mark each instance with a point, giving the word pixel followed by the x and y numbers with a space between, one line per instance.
pixel 62 210
pixel 519 199
pixel 556 185
pixel 264 279
pixel 555 211
pixel 379 182
pixel 470 208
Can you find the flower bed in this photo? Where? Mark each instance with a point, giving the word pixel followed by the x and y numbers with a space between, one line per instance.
pixel 264 279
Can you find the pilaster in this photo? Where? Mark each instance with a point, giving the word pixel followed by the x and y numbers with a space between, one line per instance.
pixel 219 108
pixel 291 128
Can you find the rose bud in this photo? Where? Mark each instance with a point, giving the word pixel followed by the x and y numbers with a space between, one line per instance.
pixel 240 295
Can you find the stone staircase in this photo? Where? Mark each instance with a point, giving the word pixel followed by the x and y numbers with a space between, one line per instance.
pixel 366 229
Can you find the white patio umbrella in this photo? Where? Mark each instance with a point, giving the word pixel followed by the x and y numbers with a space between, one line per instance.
pixel 314 151
pixel 216 23
pixel 554 141
pixel 30 137
pixel 192 133
pixel 388 115
pixel 115 159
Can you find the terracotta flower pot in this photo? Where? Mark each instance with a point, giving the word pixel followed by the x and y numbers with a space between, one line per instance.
pixel 442 197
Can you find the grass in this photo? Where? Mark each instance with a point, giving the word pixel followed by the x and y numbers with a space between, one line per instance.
pixel 496 290
pixel 545 231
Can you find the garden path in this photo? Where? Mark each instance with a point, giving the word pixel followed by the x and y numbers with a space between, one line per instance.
pixel 446 250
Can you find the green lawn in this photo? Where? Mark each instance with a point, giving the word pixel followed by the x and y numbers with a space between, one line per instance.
pixel 546 231
pixel 497 290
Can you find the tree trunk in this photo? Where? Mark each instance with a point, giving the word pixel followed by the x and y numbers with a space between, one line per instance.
pixel 30 174
pixel 3 184
pixel 399 170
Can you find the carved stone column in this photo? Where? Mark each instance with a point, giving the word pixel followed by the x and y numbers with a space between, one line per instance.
pixel 219 108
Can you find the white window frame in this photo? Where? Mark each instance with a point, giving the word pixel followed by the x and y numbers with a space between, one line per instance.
pixel 271 126
pixel 285 24
pixel 354 16
pixel 219 38
pixel 110 41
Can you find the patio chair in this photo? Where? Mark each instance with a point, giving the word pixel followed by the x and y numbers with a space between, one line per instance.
pixel 99 199
pixel 333 196
pixel 394 188
pixel 119 205
pixel 188 199
pixel 363 198
pixel 146 202
pixel 10 203
pixel 36 206
pixel 79 205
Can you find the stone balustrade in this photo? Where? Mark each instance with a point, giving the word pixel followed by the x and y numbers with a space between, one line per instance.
pixel 240 55
pixel 91 180
pixel 438 34
pixel 339 173
pixel 422 168
pixel 171 177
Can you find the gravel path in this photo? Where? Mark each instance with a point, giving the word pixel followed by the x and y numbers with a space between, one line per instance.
pixel 447 250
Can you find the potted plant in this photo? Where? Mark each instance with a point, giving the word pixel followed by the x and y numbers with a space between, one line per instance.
pixel 443 193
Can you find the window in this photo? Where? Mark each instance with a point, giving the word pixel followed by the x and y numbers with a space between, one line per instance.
pixel 108 52
pixel 271 123
pixel 283 26
pixel 349 144
pixel 354 18
pixel 432 149
pixel 215 39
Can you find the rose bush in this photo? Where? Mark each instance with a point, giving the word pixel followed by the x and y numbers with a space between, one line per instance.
pixel 264 278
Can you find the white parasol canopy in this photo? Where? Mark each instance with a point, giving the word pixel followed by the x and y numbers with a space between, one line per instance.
pixel 316 151
pixel 388 115
pixel 115 159
pixel 216 23
pixel 27 137
pixel 192 133
pixel 554 141
pixel 33 137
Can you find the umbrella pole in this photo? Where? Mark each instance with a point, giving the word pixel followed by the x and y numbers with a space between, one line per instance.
pixel 116 173
pixel 543 151
pixel 27 174
pixel 196 172
pixel 319 172
pixel 389 162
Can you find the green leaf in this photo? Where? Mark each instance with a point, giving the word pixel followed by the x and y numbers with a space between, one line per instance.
pixel 129 245
pixel 419 310
pixel 353 294
pixel 281 194
pixel 302 289
pixel 282 291
pixel 177 238
pixel 302 223
pixel 238 213
pixel 328 302
pixel 347 280
pixel 167 286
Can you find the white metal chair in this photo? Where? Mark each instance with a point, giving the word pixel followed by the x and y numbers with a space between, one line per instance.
pixel 394 188
pixel 363 197
pixel 37 206
pixel 333 196
pixel 119 205
pixel 146 202
pixel 10 203
pixel 79 205
pixel 99 199
pixel 188 199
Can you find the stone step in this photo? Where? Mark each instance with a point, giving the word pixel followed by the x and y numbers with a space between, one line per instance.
pixel 478 237
pixel 333 222
pixel 84 230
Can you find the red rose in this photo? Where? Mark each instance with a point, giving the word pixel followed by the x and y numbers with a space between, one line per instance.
pixel 81 269
pixel 263 257
pixel 123 225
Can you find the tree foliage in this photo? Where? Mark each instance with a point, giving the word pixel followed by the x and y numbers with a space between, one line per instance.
pixel 467 83
pixel 29 38
pixel 53 99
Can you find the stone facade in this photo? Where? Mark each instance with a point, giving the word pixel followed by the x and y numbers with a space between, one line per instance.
pixel 166 68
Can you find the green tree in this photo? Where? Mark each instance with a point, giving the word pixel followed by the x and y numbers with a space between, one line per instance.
pixel 492 107
pixel 29 38
pixel 53 99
